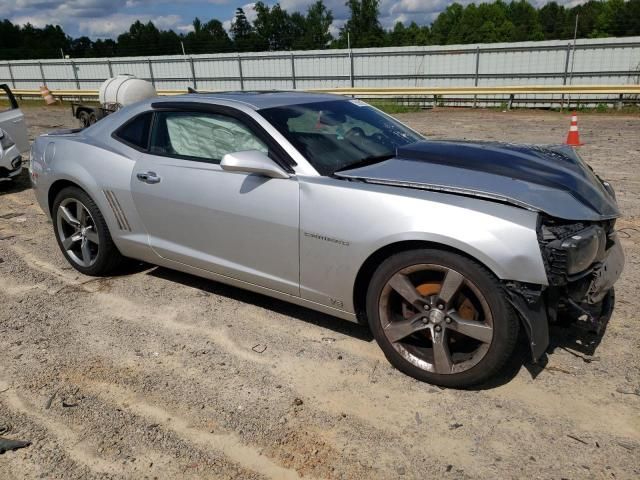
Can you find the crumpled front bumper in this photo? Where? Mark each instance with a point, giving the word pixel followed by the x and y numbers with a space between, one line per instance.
pixel 608 273
pixel 595 300
pixel 586 298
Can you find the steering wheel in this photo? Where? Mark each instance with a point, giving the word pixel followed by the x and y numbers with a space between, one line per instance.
pixel 380 138
pixel 354 132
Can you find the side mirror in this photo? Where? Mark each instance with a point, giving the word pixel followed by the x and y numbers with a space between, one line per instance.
pixel 252 161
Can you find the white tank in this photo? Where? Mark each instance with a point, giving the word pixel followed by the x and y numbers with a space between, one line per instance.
pixel 124 90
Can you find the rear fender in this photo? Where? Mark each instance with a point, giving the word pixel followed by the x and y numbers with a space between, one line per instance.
pixel 103 174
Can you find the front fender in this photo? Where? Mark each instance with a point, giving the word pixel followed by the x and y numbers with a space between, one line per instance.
pixel 343 223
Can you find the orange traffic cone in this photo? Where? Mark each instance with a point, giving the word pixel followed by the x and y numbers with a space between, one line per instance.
pixel 573 137
pixel 46 94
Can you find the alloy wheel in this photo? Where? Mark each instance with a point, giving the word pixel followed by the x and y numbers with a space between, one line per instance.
pixel 436 318
pixel 77 232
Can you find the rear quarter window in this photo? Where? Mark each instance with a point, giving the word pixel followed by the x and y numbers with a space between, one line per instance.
pixel 135 132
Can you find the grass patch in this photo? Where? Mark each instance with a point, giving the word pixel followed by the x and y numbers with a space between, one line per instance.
pixel 33 103
pixel 391 107
pixel 603 108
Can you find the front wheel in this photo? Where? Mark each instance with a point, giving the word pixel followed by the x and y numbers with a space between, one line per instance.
pixel 441 318
pixel 83 235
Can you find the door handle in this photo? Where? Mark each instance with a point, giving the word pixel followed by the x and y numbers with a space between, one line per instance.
pixel 148 177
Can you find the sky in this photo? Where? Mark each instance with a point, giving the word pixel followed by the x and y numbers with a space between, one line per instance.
pixel 109 18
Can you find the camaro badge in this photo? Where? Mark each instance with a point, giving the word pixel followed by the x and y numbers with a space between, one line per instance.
pixel 326 239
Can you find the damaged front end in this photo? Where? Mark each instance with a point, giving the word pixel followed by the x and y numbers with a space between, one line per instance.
pixel 583 261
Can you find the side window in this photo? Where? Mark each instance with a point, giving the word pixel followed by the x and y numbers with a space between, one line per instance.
pixel 325 123
pixel 201 136
pixel 135 133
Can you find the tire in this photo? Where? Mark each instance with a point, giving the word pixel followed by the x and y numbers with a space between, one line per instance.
pixel 477 318
pixel 104 257
pixel 83 117
pixel 93 118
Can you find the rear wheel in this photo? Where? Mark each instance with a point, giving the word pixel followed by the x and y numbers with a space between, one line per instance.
pixel 83 117
pixel 441 317
pixel 83 235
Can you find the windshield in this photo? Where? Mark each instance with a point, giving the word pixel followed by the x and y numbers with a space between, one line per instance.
pixel 340 134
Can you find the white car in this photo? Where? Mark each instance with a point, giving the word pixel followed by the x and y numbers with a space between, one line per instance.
pixel 14 139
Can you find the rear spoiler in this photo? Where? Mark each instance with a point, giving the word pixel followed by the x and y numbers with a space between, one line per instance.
pixel 10 96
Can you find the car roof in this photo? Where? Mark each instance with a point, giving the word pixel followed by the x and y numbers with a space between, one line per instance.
pixel 259 99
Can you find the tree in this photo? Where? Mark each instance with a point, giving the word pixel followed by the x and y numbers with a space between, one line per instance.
pixel 363 27
pixel 210 37
pixel 298 32
pixel 626 21
pixel 525 20
pixel 103 48
pixel 553 21
pixel 141 39
pixel 145 39
pixel 445 23
pixel 316 27
pixel 244 35
pixel 80 47
pixel 399 36
pixel 277 29
pixel 273 27
pixel 405 36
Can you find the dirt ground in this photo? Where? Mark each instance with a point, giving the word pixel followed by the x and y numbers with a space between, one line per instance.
pixel 158 374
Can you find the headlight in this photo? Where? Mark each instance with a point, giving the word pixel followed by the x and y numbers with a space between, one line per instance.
pixel 584 248
pixel 5 140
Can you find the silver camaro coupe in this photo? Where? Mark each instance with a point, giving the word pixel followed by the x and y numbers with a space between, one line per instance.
pixel 444 249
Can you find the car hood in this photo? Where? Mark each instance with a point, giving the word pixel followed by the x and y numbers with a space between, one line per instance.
pixel 549 179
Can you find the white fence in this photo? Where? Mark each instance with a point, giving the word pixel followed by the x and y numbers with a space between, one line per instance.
pixel 592 62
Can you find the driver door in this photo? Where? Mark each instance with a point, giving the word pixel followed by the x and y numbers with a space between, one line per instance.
pixel 12 122
pixel 240 225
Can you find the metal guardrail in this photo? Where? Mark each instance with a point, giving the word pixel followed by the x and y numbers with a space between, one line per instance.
pixel 516 89
pixel 403 91
pixel 393 70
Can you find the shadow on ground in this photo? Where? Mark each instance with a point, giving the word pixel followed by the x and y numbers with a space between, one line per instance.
pixel 576 338
pixel 18 184
pixel 300 313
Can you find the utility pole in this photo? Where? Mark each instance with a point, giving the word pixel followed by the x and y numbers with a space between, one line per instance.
pixel 573 59
pixel 189 64
pixel 350 59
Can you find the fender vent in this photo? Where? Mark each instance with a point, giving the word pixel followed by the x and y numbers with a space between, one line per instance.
pixel 118 212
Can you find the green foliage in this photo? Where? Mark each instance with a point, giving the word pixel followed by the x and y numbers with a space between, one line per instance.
pixel 208 37
pixel 316 28
pixel 277 29
pixel 363 28
pixel 143 38
pixel 245 37
pixel 407 36
pixel 391 107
